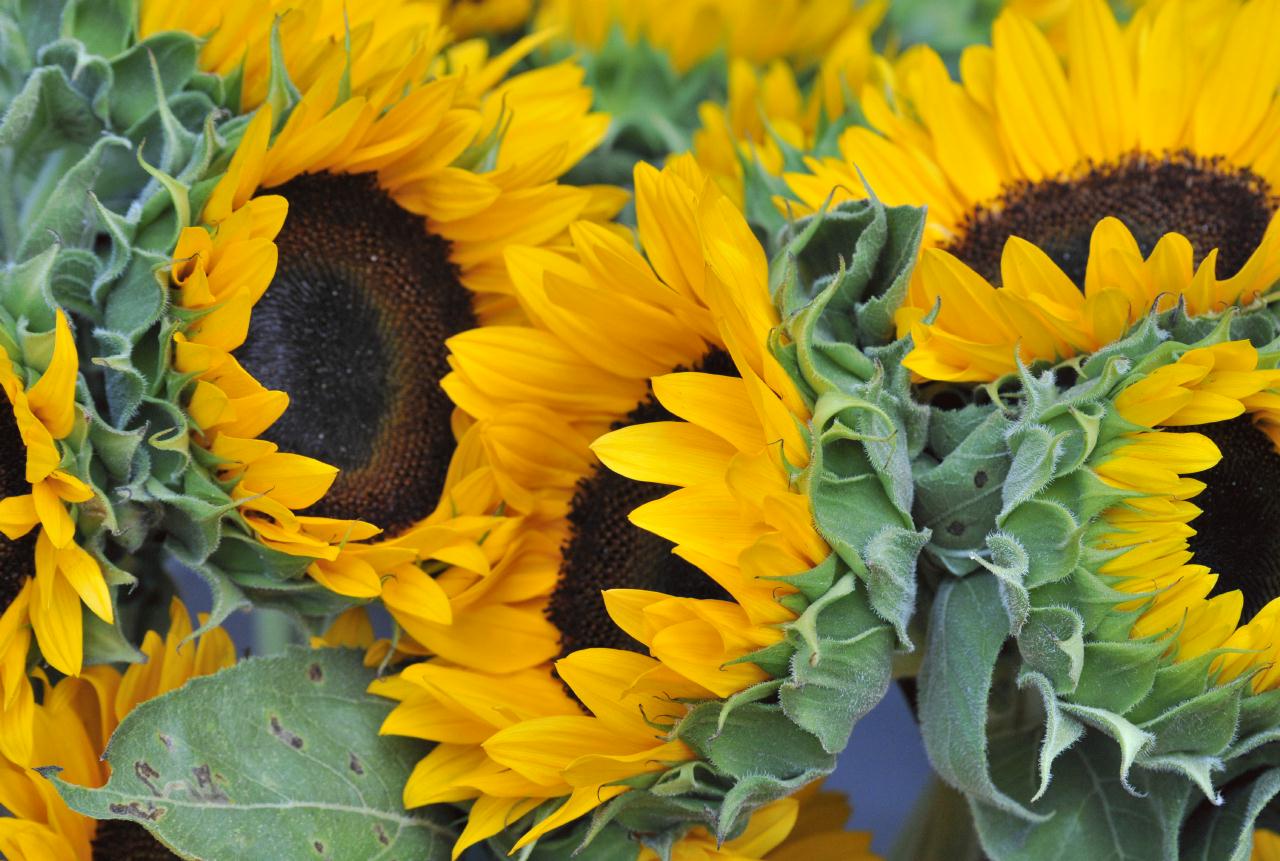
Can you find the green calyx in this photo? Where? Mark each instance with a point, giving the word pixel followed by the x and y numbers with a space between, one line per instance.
pixel 1035 701
pixel 112 144
pixel 89 116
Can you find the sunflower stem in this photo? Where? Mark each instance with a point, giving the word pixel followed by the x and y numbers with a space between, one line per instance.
pixel 939 828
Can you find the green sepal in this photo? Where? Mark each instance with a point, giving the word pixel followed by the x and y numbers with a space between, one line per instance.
pixel 866 427
pixel 1061 730
pixel 841 666
pixel 1118 675
pixel 751 739
pixel 1259 714
pixel 658 815
pixel 832 267
pixel 1174 683
pixel 1051 644
pixel 104 26
pixel 282 95
pixel 108 643
pixel 859 481
pixel 958 495
pixel 653 107
pixel 65 214
pixel 149 74
pixel 1204 725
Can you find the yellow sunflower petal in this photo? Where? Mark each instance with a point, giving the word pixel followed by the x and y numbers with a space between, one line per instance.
pixel 53 397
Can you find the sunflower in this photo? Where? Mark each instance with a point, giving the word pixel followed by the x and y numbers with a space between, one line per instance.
pixel 1125 552
pixel 523 408
pixel 1192 543
pixel 808 826
pixel 753 30
pixel 478 17
pixel 1266 845
pixel 680 575
pixel 767 117
pixel 1067 197
pixel 47 575
pixel 72 727
pixel 398 176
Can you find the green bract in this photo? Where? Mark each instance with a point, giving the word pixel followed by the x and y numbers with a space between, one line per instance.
pixel 1035 701
pixel 92 121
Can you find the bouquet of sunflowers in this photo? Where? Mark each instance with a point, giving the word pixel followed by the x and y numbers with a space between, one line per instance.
pixel 545 429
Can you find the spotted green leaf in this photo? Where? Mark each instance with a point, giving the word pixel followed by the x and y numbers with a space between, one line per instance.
pixel 273 758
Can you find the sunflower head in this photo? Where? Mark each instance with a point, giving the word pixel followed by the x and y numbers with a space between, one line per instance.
pixel 749 625
pixel 352 220
pixel 1115 591
pixel 1070 193
pixel 777 114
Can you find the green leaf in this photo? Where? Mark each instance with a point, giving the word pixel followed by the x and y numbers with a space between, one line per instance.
pixel 1226 833
pixel 1093 815
pixel 967 627
pixel 272 758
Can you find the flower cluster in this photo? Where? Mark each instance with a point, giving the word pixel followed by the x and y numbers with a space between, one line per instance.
pixel 596 408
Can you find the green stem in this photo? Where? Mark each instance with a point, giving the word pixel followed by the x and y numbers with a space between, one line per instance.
pixel 940 828
pixel 272 632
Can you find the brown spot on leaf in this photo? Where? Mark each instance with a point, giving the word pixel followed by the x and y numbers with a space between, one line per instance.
pixel 135 810
pixel 382 834
pixel 980 478
pixel 356 765
pixel 146 774
pixel 167 741
pixel 292 739
pixel 315 673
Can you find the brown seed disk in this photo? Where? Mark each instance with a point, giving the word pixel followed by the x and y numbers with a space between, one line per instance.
pixel 17 558
pixel 122 840
pixel 353 329
pixel 606 551
pixel 1210 203
pixel 1238 530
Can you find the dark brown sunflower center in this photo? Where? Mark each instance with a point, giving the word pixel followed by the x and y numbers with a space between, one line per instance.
pixel 353 328
pixel 17 558
pixel 1213 205
pixel 1238 533
pixel 606 551
pixel 122 840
